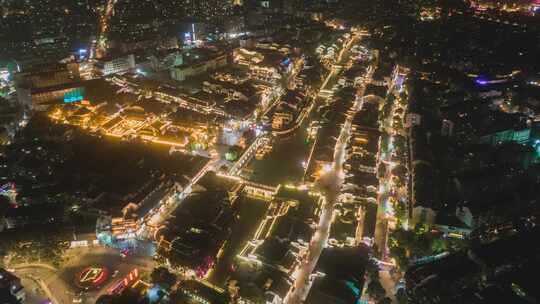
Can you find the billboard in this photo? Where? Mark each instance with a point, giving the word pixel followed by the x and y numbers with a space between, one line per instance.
pixel 73 95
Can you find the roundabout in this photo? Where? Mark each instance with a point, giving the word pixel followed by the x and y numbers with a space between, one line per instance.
pixel 91 277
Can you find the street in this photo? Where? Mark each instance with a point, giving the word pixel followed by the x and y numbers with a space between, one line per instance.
pixel 43 282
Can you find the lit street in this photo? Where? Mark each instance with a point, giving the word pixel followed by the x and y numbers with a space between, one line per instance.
pixel 269 152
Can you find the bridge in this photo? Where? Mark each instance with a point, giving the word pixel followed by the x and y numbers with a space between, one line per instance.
pixel 259 190
pixel 248 155
pixel 182 102
pixel 299 121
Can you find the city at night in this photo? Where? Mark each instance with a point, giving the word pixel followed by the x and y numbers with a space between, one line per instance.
pixel 269 151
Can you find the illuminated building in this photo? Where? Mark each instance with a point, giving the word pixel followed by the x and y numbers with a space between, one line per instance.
pixel 48 76
pixel 267 63
pixel 40 87
pixel 114 65
pixel 195 64
pixel 230 91
pixel 201 293
pixel 519 136
pixel 234 26
pixel 266 74
pixel 413 119
pixel 281 120
pixel 117 232
pixel 121 228
pixel 506 5
pixel 163 62
pixel 41 99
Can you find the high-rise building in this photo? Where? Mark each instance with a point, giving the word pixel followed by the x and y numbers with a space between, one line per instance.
pixel 42 86
pixel 112 65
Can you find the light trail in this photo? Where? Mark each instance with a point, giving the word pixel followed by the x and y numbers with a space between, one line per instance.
pixel 101 46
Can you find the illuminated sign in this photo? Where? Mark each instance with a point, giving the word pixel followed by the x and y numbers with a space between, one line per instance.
pixel 536 146
pixel 92 277
pixel 73 96
pixel 125 236
pixel 4 75
pixel 83 53
pixel 187 38
pixel 481 81
pixel 124 283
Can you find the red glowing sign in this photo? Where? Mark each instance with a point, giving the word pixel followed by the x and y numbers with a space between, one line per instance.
pixel 124 283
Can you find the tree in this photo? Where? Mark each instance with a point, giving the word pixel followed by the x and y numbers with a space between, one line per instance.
pixel 381 170
pixel 400 255
pixel 163 277
pixel 249 136
pixel 400 241
pixel 105 299
pixel 401 297
pixel 233 153
pixel 376 290
pixel 456 244
pixel 399 143
pixel 400 211
pixel 385 300
pixel 398 124
pixel 128 296
pixel 375 249
pixel 438 246
pixel 372 269
pixel 404 238
pixel 400 170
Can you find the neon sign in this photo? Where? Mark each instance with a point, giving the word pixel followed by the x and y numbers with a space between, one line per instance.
pixel 73 96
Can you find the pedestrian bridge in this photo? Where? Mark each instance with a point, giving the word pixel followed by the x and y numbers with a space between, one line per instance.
pixel 259 190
